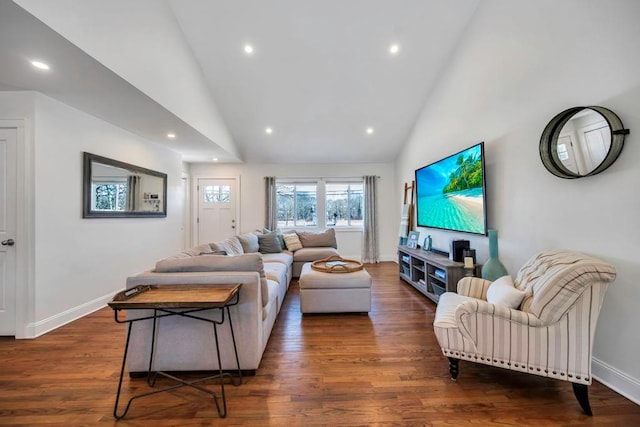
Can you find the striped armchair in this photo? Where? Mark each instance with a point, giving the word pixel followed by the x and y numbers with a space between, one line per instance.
pixel 550 334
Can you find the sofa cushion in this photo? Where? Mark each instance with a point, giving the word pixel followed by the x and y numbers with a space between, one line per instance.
pixel 269 296
pixel 313 254
pixel 246 262
pixel 276 271
pixel 313 240
pixel 249 242
pixel 269 243
pixel 292 241
pixel 231 246
pixel 284 257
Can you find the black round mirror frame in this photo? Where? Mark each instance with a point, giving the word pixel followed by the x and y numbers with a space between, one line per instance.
pixel 549 142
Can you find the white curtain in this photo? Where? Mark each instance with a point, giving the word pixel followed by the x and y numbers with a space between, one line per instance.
pixel 370 251
pixel 270 205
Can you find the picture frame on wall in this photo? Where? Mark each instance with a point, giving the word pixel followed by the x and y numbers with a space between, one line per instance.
pixel 412 239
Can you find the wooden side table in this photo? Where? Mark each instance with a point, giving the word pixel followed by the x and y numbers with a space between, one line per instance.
pixel 177 300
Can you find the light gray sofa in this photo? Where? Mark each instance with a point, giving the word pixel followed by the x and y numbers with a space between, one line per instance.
pixel 183 344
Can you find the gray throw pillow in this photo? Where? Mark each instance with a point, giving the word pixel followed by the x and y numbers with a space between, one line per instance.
pixel 326 238
pixel 278 233
pixel 269 243
pixel 249 242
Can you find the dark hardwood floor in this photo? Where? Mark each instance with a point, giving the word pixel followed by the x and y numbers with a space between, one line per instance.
pixel 336 370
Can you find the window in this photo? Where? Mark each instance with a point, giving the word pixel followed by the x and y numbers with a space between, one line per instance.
pixel 297 204
pixel 319 204
pixel 217 194
pixel 109 196
pixel 344 203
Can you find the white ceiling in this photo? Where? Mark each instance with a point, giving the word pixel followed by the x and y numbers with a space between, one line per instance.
pixel 320 75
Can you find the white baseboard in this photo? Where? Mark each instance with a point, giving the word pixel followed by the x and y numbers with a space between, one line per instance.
pixel 46 325
pixel 616 380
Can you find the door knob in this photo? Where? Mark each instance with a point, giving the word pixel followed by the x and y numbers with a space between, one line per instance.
pixel 8 242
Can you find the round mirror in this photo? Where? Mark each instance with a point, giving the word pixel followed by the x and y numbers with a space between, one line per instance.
pixel 582 141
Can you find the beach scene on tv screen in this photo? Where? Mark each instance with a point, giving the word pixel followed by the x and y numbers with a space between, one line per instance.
pixel 450 193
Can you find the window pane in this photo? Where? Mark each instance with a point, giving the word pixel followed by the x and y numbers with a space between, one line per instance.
pixel 344 204
pixel 208 194
pixel 297 205
pixel 284 201
pixel 305 205
pixel 224 195
pixel 356 204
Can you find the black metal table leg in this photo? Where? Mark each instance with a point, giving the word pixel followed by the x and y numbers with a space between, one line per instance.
pixel 152 375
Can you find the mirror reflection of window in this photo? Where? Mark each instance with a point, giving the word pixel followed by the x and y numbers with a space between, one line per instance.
pixel 109 196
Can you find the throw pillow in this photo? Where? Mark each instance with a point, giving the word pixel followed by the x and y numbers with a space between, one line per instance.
pixel 249 242
pixel 278 233
pixel 231 246
pixel 292 241
pixel 269 243
pixel 502 292
pixel 326 238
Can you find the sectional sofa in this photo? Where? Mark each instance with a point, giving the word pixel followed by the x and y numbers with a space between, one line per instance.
pixel 257 261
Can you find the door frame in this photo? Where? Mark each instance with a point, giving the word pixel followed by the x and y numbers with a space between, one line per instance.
pixel 25 226
pixel 195 201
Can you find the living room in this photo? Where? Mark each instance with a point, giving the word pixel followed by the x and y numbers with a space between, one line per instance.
pixel 514 66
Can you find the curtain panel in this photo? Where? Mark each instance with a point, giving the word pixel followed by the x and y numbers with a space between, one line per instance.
pixel 270 205
pixel 370 251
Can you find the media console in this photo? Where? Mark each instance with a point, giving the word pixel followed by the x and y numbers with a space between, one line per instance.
pixel 431 273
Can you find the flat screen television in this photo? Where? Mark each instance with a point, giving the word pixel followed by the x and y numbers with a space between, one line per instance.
pixel 450 193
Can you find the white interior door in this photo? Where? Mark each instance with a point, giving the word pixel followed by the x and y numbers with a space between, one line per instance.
pixel 8 188
pixel 598 141
pixel 217 199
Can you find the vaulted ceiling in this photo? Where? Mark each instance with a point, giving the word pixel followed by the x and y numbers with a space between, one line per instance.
pixel 321 75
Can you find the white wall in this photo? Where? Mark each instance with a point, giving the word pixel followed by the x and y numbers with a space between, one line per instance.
pixel 78 264
pixel 252 196
pixel 518 65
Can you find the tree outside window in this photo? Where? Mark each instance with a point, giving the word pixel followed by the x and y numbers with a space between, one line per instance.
pixel 110 196
pixel 296 205
pixel 344 203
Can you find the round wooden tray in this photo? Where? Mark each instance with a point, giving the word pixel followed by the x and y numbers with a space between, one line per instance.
pixel 337 264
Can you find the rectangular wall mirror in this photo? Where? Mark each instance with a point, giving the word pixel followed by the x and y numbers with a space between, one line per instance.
pixel 113 189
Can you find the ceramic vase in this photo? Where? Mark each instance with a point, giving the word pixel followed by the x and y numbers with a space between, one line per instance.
pixel 493 268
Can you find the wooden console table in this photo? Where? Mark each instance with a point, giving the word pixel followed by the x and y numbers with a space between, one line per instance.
pixel 431 273
pixel 177 300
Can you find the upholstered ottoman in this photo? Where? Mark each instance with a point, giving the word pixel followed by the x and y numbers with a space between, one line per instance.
pixel 334 292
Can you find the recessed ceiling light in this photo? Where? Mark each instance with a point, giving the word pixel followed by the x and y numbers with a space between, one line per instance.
pixel 40 65
pixel 394 49
pixel 215 159
pixel 248 49
pixel 369 131
pixel 171 135
pixel 268 130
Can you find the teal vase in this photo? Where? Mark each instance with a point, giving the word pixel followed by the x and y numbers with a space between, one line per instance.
pixel 493 268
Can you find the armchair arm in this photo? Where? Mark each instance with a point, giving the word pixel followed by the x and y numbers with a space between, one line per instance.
pixel 474 287
pixel 479 312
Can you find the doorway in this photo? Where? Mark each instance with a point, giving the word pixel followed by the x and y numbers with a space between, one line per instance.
pixel 218 203
pixel 8 228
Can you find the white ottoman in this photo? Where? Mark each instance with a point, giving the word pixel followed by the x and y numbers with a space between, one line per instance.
pixel 334 292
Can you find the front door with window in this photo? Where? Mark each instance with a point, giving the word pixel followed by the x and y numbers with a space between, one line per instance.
pixel 217 198
pixel 8 188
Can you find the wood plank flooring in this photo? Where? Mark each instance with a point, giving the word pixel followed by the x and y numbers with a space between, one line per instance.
pixel 335 370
